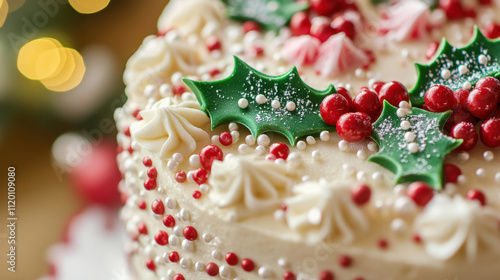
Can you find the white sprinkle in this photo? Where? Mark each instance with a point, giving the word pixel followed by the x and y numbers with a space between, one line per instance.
pixel 178 157
pixel 401 113
pixel 290 106
pixel 260 150
pixel 243 149
pixel 314 216
pixel 199 266
pixel 362 176
pixel 301 145
pixel 194 161
pixel 497 177
pixel 405 53
pixel 482 59
pixel 445 74
pixel 398 225
pixel 343 145
pixel 149 90
pixel 410 136
pixel 207 237
pixel 462 180
pixel 243 103
pixel 235 135
pixel 265 272
pixel 466 85
pixel 464 156
pixel 359 72
pixel 279 215
pixel 176 77
pixel 404 205
pixel 184 215
pixel 405 125
pixel 204 188
pixel 250 140
pixel 189 176
pixel 316 155
pixel 488 155
pixel 225 272
pixel 275 104
pixel 170 272
pixel 263 140
pixel 216 255
pixel 413 148
pixel 310 140
pixel 170 203
pixel 400 190
pixel 148 251
pixel 260 99
pixel 187 245
pixel 379 204
pixel 404 105
pixel 277 57
pixel 361 154
pixel 377 177
pixel 273 6
pixel 172 165
pixel 164 89
pixel 283 262
pixel 372 146
pixel 462 69
pixel 215 140
pixel 178 231
pixel 185 263
pixel 305 178
pixel 481 173
pixel 324 136
pixel 348 170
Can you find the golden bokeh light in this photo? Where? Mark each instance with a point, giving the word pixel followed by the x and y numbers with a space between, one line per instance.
pixel 4 10
pixel 88 6
pixel 39 58
pixel 70 75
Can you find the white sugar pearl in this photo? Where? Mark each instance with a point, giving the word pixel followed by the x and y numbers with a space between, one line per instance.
pixel 235 135
pixel 215 140
pixel 204 188
pixel 290 106
pixel 164 89
pixel 194 161
pixel 361 154
pixel 260 99
pixel 399 190
pixel 176 77
pixel 265 272
pixel 343 145
pixel 178 231
pixel 377 177
pixel 187 245
pixel 216 255
pixel 462 69
pixel 275 104
pixel 362 176
pixel 178 157
pixel 481 173
pixel 410 136
pixel 305 178
pixel 173 240
pixel 199 266
pixel 462 180
pixel 467 85
pixel 283 262
pixel 263 140
pixel 497 177
pixel 244 149
pixel 172 165
pixel 405 125
pixel 148 251
pixel 413 148
pixel 314 216
pixel 250 140
pixel 401 113
pixel 445 74
pixel 404 205
pixel 404 105
pixel 207 237
pixel 170 203
pixel 372 146
pixel 170 272
pixel 324 136
pixel 398 225
pixel 279 215
pixel 233 126
pixel 301 145
pixel 316 155
pixel 260 150
pixel 225 272
pixel 185 263
pixel 348 170
pixel 310 140
pixel 482 59
pixel 488 155
pixel 149 90
pixel 464 156
pixel 242 103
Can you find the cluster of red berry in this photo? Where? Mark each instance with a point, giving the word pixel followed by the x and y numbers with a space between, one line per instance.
pixel 353 118
pixel 469 108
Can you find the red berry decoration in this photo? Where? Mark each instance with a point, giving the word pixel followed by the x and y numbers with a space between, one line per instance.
pixel 200 176
pixel 340 24
pixel 300 24
pixel 147 161
pixel 332 107
pixel 482 102
pixel 367 102
pixel 490 83
pixel 196 194
pixel 393 92
pixel 213 43
pixel 490 132
pixel 142 228
pixel 477 195
pixel 152 173
pixel 377 86
pixel 141 204
pixel 440 98
pixel 452 8
pixel 169 221
pixel 150 264
pixel 150 184
pixel 382 243
pixel 178 89
pixel 208 154
pixel 212 269
pixel 225 138
pixel 326 275
pixel 345 261
pixel 492 30
pixel 231 259
pixel 322 30
pixel 173 257
pixel 459 115
pixel 461 96
pixel 431 50
pixel 467 132
pixel 325 7
pixel 180 176
pixel 161 237
pixel 178 277
pixel 345 93
pixel 158 207
pixel 361 194
pixel 288 276
pixel 451 173
pixel 354 127
pixel 250 26
pixel 190 233
pixel 420 192
pixel 247 265
pixel 279 150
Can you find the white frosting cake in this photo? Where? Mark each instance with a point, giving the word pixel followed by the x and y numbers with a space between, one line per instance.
pixel 224 203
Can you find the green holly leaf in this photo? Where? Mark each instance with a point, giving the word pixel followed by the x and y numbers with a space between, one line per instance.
pixel 451 58
pixel 272 14
pixel 219 99
pixel 394 152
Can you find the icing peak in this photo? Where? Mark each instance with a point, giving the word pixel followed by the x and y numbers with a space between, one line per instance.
pixel 406 20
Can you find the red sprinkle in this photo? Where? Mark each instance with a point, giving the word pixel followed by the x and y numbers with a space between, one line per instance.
pixel 142 228
pixel 231 258
pixel 147 161
pixel 247 265
pixel 196 194
pixel 212 269
pixel 200 176
pixel 150 264
pixel 326 275
pixel 178 277
pixel 161 237
pixel 288 276
pixel 361 194
pixel 152 173
pixel 190 233
pixel 180 176
pixel 150 184
pixel 158 207
pixel 477 195
pixel 141 204
pixel 208 154
pixel 345 261
pixel 169 221
pixel 250 26
pixel 382 243
pixel 417 238
pixel 225 138
pixel 451 173
pixel 420 192
pixel 173 256
pixel 279 150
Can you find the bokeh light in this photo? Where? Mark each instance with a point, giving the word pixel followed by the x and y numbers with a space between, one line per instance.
pixel 4 10
pixel 88 6
pixel 71 74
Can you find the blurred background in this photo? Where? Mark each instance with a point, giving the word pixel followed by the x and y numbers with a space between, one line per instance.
pixel 61 65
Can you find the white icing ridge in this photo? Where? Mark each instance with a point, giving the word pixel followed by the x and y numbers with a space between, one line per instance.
pixel 167 128
pixel 407 20
pixel 158 57
pixel 449 224
pixel 248 184
pixel 190 16
pixel 334 215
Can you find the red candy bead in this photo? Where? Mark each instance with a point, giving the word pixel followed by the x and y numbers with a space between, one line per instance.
pixel 247 265
pixel 477 195
pixel 225 138
pixel 208 154
pixel 461 96
pixel 322 30
pixel 196 194
pixel 340 24
pixel 212 269
pixel 354 127
pixel 345 261
pixel 482 102
pixel 288 276
pixel 345 93
pixel 451 173
pixel 492 30
pixel 150 184
pixel 141 204
pixel 158 207
pixel 490 132
pixel 200 176
pixel 490 83
pixel 231 259
pixel 367 102
pixel 466 131
pixel 300 24
pixel 136 114
pixel 417 238
pixel 152 173
pixel 173 257
pixel 147 161
pixel 213 43
pixel 279 150
pixel 382 243
pixel 325 7
pixel 150 264
pixel 169 221
pixel 142 228
pixel 250 26
pixel 377 86
pixel 420 192
pixel 180 176
pixel 393 92
pixel 440 98
pixel 326 275
pixel 161 237
pixel 190 233
pixel 459 115
pixel 361 194
pixel 178 277
pixel 333 107
pixel 178 89
pixel 452 8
